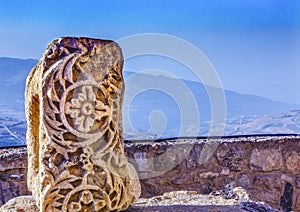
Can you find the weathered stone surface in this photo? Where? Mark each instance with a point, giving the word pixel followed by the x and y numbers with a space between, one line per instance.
pixel 268 188
pixel 266 159
pixel 225 171
pixel 13 165
pixel 266 196
pixel 297 200
pixel 297 182
pixel 244 181
pixel 193 156
pixel 268 182
pixel 76 158
pixel 293 161
pixel 12 159
pixel 20 204
pixel 287 178
pixel 232 157
pixel 208 174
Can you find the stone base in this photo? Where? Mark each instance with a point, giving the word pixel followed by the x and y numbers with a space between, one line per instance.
pixel 20 204
pixel 169 202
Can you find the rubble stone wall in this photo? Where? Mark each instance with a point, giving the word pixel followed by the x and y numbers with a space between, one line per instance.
pixel 13 172
pixel 268 167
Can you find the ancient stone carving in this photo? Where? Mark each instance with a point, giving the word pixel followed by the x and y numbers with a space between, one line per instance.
pixel 75 144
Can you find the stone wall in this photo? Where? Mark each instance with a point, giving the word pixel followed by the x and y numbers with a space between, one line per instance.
pixel 267 167
pixel 13 171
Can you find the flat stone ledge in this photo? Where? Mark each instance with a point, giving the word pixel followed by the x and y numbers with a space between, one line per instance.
pixel 180 201
pixel 20 204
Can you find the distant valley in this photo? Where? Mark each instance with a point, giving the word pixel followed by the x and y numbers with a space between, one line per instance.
pixel 245 114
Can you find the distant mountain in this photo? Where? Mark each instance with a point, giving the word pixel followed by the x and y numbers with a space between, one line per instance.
pixel 14 71
pixel 237 105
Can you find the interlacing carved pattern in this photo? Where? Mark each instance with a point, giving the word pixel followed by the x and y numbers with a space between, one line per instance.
pixel 83 167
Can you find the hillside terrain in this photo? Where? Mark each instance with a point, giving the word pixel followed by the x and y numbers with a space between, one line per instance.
pixel 245 114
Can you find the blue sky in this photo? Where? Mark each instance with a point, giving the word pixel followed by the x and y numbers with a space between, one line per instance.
pixel 253 45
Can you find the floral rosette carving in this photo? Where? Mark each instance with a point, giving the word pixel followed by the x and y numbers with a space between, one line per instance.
pixel 85 109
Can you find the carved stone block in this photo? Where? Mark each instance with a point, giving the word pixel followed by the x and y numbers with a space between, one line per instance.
pixel 76 158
